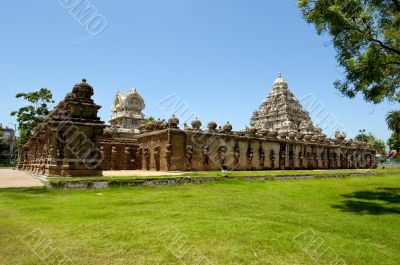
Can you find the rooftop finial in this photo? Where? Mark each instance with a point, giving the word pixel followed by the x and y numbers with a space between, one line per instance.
pixel 280 74
pixel 83 80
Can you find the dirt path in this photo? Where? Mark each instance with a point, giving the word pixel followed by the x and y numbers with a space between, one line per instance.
pixel 10 178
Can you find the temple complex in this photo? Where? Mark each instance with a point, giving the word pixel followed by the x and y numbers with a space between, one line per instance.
pixel 74 142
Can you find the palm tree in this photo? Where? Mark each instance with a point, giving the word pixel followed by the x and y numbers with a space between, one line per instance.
pixel 393 122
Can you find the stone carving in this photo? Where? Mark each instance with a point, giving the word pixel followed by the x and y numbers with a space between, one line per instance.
pixel 212 126
pixel 139 156
pixel 236 156
pixel 147 157
pixel 251 131
pixel 189 155
pixel 222 156
pixel 173 122
pixel 168 153
pixel 340 136
pixel 301 160
pixel 227 128
pixel 282 158
pixel 114 157
pixel 206 154
pixel 127 113
pixel 156 154
pixel 261 155
pixel 272 158
pixel 250 154
pixel 196 124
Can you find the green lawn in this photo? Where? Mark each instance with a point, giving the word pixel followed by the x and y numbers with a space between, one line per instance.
pixel 289 172
pixel 264 173
pixel 351 220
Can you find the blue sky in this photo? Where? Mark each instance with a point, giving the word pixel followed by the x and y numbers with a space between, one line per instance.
pixel 216 59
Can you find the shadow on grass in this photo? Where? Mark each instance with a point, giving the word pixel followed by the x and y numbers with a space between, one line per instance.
pixel 377 202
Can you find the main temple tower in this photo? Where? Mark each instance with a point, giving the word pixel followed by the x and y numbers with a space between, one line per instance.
pixel 281 110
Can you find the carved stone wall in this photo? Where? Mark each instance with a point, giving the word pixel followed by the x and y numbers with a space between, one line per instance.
pixel 67 143
pixel 195 150
pixel 119 151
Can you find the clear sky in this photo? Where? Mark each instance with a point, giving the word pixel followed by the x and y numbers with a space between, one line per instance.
pixel 218 58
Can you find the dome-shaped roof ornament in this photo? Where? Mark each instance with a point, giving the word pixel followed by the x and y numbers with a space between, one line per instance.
pixel 196 124
pixel 280 81
pixel 83 90
pixel 227 127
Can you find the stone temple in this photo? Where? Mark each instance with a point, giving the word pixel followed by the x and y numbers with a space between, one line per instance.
pixel 73 141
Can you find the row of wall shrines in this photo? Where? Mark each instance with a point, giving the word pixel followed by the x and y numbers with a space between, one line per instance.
pixel 178 150
pixel 74 142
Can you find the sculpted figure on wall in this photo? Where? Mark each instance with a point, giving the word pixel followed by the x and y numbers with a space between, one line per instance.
pixel 147 157
pixel 188 156
pixel 237 156
pixel 250 155
pixel 206 154
pixel 282 158
pixel 222 156
pixel 272 158
pixel 168 154
pixel 261 156
pixel 156 154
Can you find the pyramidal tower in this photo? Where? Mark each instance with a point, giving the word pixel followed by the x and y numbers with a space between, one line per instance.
pixel 282 111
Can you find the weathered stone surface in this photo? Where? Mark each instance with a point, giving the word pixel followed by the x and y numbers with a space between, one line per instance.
pixel 282 111
pixel 67 143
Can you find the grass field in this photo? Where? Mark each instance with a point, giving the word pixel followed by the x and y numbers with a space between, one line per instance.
pixel 351 221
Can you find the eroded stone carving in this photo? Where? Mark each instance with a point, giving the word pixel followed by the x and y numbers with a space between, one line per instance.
pixel 206 154
pixel 189 155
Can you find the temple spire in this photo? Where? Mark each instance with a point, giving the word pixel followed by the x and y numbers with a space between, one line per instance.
pixel 281 110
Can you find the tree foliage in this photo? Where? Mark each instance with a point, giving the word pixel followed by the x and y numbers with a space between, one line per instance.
pixel 30 116
pixel 366 37
pixel 393 122
pixel 377 144
pixel 393 142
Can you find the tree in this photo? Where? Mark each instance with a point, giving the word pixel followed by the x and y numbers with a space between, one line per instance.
pixel 393 122
pixel 366 37
pixel 30 116
pixel 377 144
pixel 150 120
pixel 393 142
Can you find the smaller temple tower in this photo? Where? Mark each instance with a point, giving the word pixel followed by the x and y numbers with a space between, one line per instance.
pixel 67 143
pixel 127 113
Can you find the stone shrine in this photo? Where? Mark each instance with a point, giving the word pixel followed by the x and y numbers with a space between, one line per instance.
pixel 68 142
